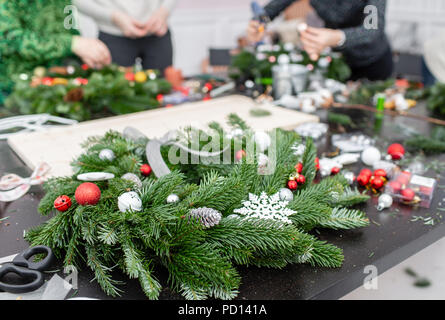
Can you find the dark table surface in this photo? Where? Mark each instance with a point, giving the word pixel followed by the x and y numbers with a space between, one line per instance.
pixel 390 238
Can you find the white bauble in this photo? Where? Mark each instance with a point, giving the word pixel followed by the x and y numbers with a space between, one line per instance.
pixel 129 201
pixel 133 178
pixel 262 140
pixel 385 201
pixel 107 154
pixel 173 198
pixel 371 155
pixel 286 194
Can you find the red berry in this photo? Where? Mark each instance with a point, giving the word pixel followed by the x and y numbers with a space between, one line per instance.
pixel 380 173
pixel 301 179
pixel 408 194
pixel 317 164
pixel 362 180
pixel 377 183
pixel 292 185
pixel 62 203
pixel 145 170
pixel 335 171
pixel 299 167
pixel 366 172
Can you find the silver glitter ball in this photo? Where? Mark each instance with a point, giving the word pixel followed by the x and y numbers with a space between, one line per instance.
pixel 349 176
pixel 385 201
pixel 133 178
pixel 173 198
pixel 286 194
pixel 107 154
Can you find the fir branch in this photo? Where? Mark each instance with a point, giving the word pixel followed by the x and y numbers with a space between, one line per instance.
pixel 343 218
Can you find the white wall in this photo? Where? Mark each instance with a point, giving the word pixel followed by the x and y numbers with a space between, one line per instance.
pixel 199 24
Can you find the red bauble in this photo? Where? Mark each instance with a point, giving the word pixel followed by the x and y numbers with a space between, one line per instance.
pixel 87 194
pixel 380 173
pixel 396 151
pixel 301 179
pixel 145 170
pixel 366 172
pixel 129 76
pixel 363 180
pixel 335 171
pixel 62 203
pixel 377 183
pixel 47 81
pixel 299 167
pixel 404 178
pixel 395 186
pixel 292 185
pixel 240 154
pixel 408 194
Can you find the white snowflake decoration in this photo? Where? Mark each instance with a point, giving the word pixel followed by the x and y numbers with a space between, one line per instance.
pixel 265 207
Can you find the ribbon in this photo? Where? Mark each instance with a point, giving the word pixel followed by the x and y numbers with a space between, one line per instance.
pixel 13 187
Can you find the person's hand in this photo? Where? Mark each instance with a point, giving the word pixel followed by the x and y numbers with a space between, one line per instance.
pixel 129 26
pixel 93 52
pixel 315 40
pixel 157 24
pixel 255 31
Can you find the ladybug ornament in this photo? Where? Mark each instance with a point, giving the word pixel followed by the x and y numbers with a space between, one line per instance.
pixel 62 203
pixel 145 170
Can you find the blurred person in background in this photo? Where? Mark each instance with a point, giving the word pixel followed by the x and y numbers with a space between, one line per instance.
pixel 133 29
pixel 433 60
pixel 32 34
pixel 366 50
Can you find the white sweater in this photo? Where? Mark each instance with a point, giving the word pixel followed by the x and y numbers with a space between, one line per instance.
pixel 101 11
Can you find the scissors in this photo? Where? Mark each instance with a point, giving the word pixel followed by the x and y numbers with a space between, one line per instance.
pixel 21 265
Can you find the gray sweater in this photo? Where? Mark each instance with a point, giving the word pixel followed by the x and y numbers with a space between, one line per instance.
pixel 101 11
pixel 362 46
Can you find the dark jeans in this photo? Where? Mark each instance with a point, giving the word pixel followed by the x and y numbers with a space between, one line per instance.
pixel 381 69
pixel 155 52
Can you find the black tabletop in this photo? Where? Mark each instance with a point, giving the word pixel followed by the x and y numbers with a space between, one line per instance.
pixel 390 238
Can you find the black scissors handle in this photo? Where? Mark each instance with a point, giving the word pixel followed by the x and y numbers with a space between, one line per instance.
pixel 22 259
pixel 34 278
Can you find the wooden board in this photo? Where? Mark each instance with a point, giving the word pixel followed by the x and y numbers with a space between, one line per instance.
pixel 59 146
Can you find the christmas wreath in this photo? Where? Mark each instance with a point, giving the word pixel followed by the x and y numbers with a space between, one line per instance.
pixel 198 221
pixel 80 93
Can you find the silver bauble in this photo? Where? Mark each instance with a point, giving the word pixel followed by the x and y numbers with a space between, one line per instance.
pixel 107 155
pixel 129 201
pixel 173 198
pixel 286 194
pixel 385 201
pixel 133 178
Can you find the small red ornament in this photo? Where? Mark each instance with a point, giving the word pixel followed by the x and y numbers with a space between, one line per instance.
pixel 395 186
pixel 335 171
pixel 396 151
pixel 317 164
pixel 47 81
pixel 160 98
pixel 366 172
pixel 145 170
pixel 408 194
pixel 363 180
pixel 87 194
pixel 240 154
pixel 301 179
pixel 208 87
pixel 404 178
pixel 62 203
pixel 377 183
pixel 380 173
pixel 129 76
pixel 85 66
pixel 299 167
pixel 292 185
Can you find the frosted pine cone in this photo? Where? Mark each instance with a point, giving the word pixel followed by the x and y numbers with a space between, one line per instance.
pixel 208 217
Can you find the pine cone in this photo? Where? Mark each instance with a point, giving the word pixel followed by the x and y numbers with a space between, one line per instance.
pixel 74 95
pixel 208 217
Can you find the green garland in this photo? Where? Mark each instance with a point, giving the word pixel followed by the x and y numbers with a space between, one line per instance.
pixel 106 93
pixel 201 262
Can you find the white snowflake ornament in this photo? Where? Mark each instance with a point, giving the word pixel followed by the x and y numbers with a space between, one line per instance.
pixel 265 207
